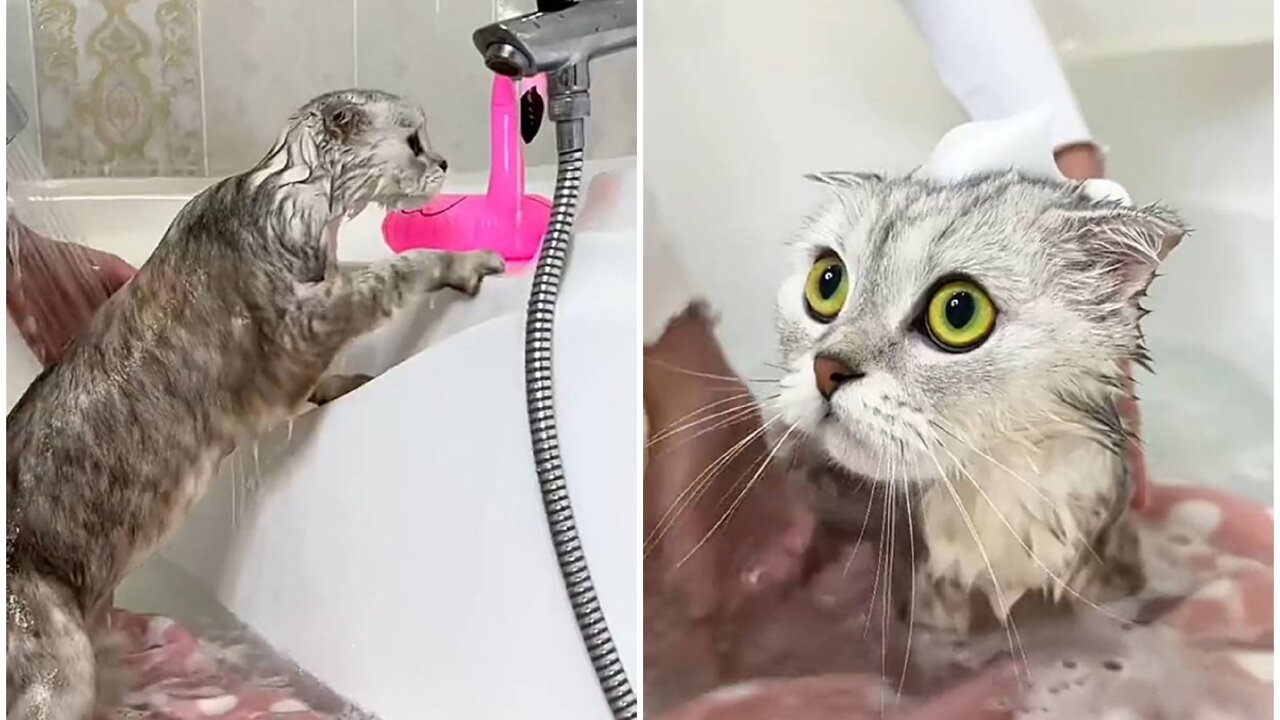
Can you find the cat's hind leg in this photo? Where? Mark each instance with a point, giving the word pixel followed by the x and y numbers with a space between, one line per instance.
pixel 51 664
pixel 332 387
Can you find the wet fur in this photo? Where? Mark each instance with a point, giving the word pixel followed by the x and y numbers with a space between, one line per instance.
pixel 1025 432
pixel 224 332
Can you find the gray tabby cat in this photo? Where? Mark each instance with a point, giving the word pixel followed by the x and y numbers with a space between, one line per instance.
pixel 224 332
pixel 962 344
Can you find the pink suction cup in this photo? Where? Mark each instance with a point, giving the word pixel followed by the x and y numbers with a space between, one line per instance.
pixel 504 219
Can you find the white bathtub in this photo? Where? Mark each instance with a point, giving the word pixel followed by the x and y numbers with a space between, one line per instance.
pixel 1183 102
pixel 393 543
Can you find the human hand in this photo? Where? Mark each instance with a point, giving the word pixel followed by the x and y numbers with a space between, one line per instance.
pixel 55 288
pixel 730 555
pixel 1083 161
pixel 703 449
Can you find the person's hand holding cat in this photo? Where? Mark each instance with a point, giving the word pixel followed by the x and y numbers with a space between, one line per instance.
pixel 56 287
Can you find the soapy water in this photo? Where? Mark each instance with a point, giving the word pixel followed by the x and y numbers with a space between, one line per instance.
pixel 188 655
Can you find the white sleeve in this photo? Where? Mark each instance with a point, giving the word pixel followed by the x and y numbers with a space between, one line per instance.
pixel 997 60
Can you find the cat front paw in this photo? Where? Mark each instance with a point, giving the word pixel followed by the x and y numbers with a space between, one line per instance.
pixel 468 270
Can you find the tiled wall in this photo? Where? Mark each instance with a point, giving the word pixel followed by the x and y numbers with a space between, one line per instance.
pixel 131 88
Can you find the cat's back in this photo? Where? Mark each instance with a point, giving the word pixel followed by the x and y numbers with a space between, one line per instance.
pixel 165 342
pixel 143 373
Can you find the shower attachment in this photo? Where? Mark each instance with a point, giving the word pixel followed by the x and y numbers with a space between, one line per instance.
pixel 561 39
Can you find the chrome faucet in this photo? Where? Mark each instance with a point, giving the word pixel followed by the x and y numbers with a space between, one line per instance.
pixel 16 119
pixel 546 41
pixel 560 39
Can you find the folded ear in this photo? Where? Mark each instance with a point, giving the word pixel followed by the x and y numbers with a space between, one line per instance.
pixel 1126 242
pixel 343 119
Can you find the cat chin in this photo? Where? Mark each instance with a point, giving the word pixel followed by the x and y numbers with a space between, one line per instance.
pixel 862 458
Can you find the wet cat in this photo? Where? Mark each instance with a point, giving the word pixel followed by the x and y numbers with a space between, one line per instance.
pixel 964 345
pixel 225 331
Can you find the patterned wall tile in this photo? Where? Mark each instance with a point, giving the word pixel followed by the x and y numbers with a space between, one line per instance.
pixel 119 87
pixel 262 60
pixel 194 87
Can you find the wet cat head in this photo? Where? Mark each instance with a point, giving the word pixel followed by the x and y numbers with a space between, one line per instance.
pixel 368 145
pixel 925 321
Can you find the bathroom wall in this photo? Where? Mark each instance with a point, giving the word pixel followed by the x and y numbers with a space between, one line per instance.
pixel 1091 28
pixel 133 88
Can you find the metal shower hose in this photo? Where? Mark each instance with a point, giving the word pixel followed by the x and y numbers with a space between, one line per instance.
pixel 539 394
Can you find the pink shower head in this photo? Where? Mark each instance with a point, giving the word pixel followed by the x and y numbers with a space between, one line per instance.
pixel 504 220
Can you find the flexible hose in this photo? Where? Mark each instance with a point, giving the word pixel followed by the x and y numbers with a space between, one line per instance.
pixel 540 396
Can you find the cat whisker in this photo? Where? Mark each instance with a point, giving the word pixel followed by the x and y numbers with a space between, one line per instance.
pixel 747 404
pixel 697 487
pixel 890 508
pixel 707 484
pixel 866 519
pixel 875 582
pixel 911 606
pixel 936 422
pixel 1053 576
pixel 735 397
pixel 738 501
pixel 728 493
pixel 970 446
pixel 743 415
pixel 709 376
pixel 740 400
pixel 1010 628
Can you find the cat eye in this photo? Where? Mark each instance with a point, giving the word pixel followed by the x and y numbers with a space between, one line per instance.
pixel 959 316
pixel 415 144
pixel 826 288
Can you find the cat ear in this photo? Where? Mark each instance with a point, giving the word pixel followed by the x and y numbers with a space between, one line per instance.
pixel 1129 241
pixel 841 179
pixel 342 120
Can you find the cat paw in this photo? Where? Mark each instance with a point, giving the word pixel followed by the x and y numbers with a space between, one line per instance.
pixel 468 270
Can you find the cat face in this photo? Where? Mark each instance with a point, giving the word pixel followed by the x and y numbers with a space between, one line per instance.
pixel 372 146
pixel 924 322
pixel 379 147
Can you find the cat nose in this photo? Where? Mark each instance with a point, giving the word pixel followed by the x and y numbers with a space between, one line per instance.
pixel 831 373
pixel 444 165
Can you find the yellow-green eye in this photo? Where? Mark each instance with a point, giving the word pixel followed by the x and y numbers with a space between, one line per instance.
pixel 960 315
pixel 826 288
